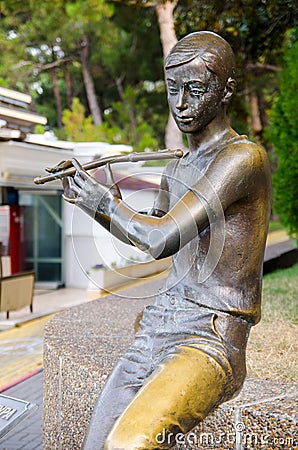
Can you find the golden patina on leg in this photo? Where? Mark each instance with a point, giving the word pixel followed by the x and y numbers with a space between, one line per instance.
pixel 183 390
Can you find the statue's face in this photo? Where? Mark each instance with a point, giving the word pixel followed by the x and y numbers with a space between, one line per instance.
pixel 194 94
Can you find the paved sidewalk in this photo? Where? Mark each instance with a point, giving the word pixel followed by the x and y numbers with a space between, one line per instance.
pixel 27 435
pixel 21 339
pixel 278 243
pixel 21 347
pixel 21 352
pixel 45 302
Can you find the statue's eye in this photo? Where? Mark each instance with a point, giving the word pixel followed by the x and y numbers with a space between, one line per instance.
pixel 173 90
pixel 196 91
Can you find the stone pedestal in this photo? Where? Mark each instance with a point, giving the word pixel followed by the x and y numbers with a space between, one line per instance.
pixel 83 343
pixel 262 416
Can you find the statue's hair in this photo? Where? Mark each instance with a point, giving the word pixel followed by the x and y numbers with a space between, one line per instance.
pixel 216 53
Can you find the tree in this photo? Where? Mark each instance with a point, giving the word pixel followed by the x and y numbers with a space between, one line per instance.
pixel 255 29
pixel 140 136
pixel 284 137
pixel 97 50
pixel 165 15
pixel 93 50
pixel 87 18
pixel 164 10
pixel 54 35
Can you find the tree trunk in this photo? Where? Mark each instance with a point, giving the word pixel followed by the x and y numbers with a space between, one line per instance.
pixel 255 120
pixel 131 111
pixel 164 11
pixel 88 83
pixel 57 97
pixel 165 19
pixel 263 107
pixel 68 86
pixel 255 113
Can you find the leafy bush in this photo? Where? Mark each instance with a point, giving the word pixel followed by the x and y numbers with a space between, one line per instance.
pixel 284 137
pixel 124 124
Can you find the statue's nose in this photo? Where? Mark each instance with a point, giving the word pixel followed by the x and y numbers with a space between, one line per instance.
pixel 181 101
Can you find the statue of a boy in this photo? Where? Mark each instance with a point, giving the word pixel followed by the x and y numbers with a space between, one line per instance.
pixel 211 213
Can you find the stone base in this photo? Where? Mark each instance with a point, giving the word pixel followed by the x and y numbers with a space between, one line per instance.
pixel 81 346
pixel 262 416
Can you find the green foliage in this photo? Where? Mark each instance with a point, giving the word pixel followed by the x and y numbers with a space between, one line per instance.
pixel 39 37
pixel 127 117
pixel 39 129
pixel 123 125
pixel 78 128
pixel 284 137
pixel 255 29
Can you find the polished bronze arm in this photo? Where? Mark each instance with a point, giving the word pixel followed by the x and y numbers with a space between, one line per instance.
pixel 131 157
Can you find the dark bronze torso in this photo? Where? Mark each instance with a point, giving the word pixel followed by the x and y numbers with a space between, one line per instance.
pixel 235 283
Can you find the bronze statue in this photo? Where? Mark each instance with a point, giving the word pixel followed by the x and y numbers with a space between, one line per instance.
pixel 212 215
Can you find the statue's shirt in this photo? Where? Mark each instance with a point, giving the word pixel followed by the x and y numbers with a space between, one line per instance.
pixel 234 180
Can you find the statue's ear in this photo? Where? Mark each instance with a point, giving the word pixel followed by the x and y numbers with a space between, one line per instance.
pixel 229 90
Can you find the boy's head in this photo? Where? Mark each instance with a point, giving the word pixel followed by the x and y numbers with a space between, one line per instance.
pixel 199 75
pixel 216 53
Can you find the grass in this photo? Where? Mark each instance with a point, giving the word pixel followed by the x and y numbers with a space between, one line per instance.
pixel 275 225
pixel 272 352
pixel 280 295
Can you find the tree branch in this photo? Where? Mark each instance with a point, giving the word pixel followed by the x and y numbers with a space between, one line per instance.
pixel 259 67
pixel 42 67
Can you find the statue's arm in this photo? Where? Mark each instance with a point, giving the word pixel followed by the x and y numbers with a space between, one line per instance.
pixel 81 190
pixel 159 209
pixel 226 181
pixel 238 175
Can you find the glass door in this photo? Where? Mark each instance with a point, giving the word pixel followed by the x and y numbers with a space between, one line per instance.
pixel 43 236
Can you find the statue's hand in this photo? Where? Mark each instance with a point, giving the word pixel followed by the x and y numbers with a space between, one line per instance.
pixel 62 165
pixel 83 190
